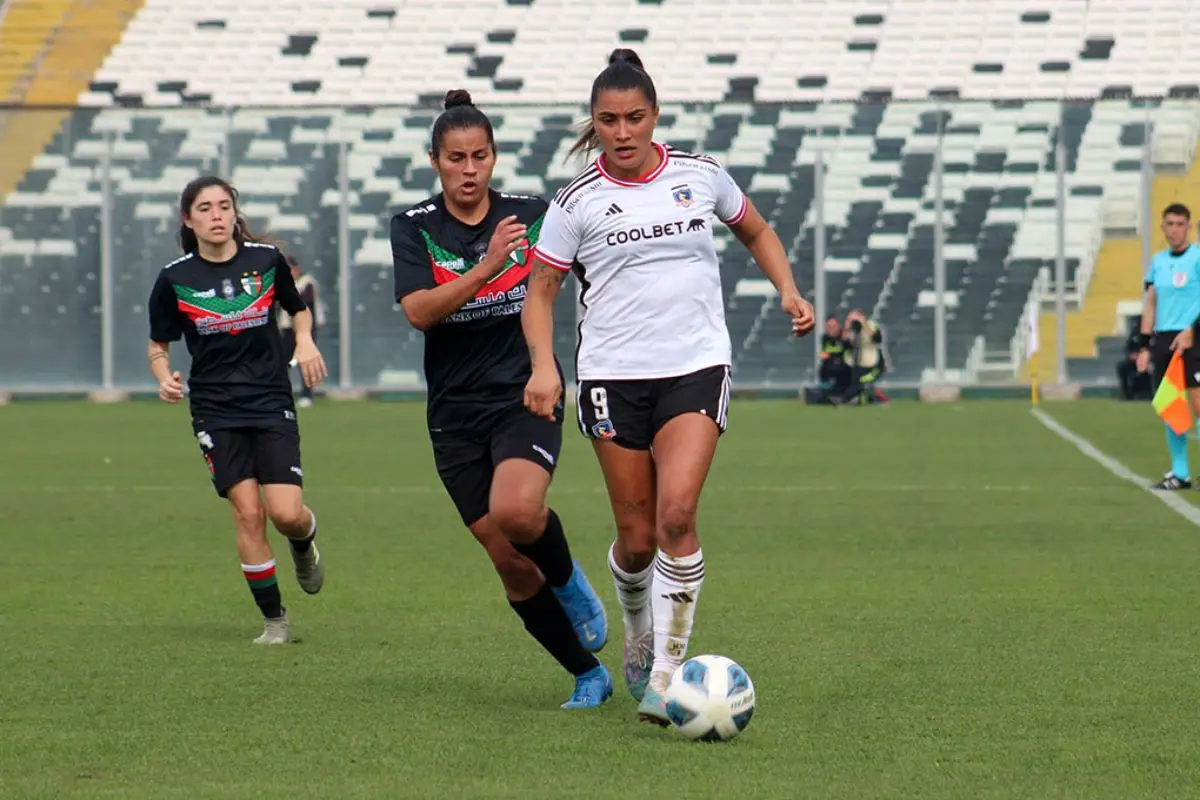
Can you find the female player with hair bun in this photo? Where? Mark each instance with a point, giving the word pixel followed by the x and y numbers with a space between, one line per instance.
pixel 461 260
pixel 220 296
pixel 653 357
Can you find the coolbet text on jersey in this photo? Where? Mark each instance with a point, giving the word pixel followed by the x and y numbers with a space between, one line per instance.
pixel 1176 281
pixel 650 303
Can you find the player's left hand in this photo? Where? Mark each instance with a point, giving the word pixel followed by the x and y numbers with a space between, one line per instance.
pixel 1183 341
pixel 543 393
pixel 804 319
pixel 312 366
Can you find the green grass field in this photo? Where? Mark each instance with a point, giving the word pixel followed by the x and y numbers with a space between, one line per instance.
pixel 933 601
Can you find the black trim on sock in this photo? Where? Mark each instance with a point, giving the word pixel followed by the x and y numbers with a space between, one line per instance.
pixel 269 601
pixel 550 552
pixel 546 622
pixel 302 546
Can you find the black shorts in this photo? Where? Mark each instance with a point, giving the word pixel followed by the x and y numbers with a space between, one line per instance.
pixel 1160 356
pixel 466 463
pixel 269 455
pixel 632 412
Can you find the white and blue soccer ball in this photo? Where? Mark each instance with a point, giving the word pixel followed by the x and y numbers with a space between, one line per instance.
pixel 710 699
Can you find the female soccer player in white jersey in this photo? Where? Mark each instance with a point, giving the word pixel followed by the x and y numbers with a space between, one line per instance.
pixel 219 297
pixel 653 357
pixel 461 263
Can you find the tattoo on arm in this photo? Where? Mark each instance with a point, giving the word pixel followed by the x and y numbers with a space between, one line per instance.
pixel 548 276
pixel 157 355
pixel 533 355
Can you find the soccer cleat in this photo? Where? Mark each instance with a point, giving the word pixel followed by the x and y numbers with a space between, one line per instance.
pixel 310 572
pixel 653 707
pixel 639 658
pixel 592 688
pixel 275 631
pixel 584 609
pixel 1172 484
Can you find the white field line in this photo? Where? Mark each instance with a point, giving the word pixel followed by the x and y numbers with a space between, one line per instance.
pixel 1173 501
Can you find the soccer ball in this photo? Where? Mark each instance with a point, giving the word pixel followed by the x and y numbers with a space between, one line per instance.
pixel 710 699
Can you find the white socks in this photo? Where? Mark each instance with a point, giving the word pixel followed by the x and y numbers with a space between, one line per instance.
pixel 677 581
pixel 633 592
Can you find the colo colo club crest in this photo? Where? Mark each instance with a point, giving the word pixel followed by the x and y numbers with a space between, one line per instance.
pixel 682 195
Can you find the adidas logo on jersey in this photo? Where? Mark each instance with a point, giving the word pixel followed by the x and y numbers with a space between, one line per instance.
pixel 613 210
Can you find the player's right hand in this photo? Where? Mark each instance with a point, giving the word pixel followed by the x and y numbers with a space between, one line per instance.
pixel 171 389
pixel 1143 360
pixel 542 393
pixel 507 237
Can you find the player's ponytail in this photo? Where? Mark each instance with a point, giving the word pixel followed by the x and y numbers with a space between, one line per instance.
pixel 625 71
pixel 460 114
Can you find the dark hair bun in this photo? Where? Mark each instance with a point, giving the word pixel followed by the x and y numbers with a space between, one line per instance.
pixel 626 55
pixel 457 97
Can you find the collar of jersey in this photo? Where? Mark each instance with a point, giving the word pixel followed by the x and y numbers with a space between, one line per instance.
pixel 647 178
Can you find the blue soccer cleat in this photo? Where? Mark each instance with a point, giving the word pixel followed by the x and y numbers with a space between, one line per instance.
pixel 584 609
pixel 592 688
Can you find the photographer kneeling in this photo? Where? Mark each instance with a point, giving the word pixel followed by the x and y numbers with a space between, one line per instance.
pixel 864 354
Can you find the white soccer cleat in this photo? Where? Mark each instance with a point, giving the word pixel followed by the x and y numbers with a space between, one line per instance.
pixel 639 658
pixel 275 631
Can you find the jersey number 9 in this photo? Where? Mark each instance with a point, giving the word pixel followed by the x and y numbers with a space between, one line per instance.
pixel 600 402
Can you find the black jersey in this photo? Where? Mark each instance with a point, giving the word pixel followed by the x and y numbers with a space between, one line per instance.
pixel 833 346
pixel 476 361
pixel 225 312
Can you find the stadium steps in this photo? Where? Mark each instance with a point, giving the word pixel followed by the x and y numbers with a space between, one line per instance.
pixel 26 28
pixel 1116 277
pixel 75 39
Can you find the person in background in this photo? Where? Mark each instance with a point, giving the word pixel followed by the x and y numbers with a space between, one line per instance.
pixel 1132 384
pixel 306 285
pixel 834 372
pixel 864 353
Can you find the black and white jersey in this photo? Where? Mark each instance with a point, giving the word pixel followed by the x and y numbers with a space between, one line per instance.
pixel 476 361
pixel 650 302
pixel 224 311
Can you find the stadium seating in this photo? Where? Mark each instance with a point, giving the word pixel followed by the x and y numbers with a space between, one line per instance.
pixel 756 100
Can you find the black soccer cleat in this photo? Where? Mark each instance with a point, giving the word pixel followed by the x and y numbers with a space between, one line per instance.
pixel 1172 484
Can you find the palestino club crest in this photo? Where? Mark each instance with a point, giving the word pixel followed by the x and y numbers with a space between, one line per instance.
pixel 252 284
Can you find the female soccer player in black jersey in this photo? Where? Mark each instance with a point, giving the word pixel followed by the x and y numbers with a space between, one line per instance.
pixel 220 296
pixel 654 356
pixel 461 263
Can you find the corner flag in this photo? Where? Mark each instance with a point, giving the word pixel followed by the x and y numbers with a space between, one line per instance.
pixel 1031 349
pixel 1170 401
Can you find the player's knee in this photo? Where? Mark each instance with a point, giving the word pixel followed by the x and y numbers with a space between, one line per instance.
pixel 251 520
pixel 678 519
pixel 521 518
pixel 288 517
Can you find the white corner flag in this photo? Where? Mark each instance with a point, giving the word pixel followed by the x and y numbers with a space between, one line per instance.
pixel 1031 344
pixel 1031 348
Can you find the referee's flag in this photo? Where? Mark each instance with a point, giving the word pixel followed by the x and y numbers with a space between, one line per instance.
pixel 1170 401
